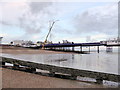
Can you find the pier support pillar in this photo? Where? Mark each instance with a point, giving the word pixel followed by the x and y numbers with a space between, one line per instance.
pixel 63 48
pixel 98 49
pixel 89 48
pixel 81 48
pixel 72 48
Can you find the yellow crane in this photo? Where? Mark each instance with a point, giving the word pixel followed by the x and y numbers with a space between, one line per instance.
pixel 48 34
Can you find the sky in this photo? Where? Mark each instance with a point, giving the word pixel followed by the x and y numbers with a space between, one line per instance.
pixel 78 21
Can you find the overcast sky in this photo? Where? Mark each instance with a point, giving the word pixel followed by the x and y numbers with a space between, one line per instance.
pixel 78 21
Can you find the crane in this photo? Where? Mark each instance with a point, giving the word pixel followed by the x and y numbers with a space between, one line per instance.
pixel 50 29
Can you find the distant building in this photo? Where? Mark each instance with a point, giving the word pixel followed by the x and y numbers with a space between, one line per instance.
pixel 17 42
pixel 66 41
pixel 21 42
pixel 114 41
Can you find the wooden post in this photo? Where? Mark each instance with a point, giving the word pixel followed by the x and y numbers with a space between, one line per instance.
pixel 98 49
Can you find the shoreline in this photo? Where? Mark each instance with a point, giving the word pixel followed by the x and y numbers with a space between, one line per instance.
pixel 20 50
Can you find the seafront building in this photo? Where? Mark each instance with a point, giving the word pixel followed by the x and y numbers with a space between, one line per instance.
pixel 115 41
pixel 21 42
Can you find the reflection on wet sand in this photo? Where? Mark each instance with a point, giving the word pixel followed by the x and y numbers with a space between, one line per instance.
pixel 102 62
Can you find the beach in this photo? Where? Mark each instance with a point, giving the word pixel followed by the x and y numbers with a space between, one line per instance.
pixel 20 50
pixel 20 79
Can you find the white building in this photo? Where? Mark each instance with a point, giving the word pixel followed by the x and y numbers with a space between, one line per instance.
pixel 113 42
pixel 21 42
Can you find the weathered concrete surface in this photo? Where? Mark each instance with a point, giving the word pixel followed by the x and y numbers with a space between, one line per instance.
pixel 65 70
pixel 18 79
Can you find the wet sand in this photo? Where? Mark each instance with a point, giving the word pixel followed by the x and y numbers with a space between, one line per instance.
pixel 19 79
pixel 20 50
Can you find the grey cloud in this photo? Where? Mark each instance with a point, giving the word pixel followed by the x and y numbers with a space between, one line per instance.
pixel 5 23
pixel 30 27
pixel 62 29
pixel 32 20
pixel 35 19
pixel 36 7
pixel 103 20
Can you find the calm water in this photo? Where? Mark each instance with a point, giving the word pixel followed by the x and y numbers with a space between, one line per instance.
pixel 100 62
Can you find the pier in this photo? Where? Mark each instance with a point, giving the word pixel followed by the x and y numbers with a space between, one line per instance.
pixel 71 72
pixel 71 47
